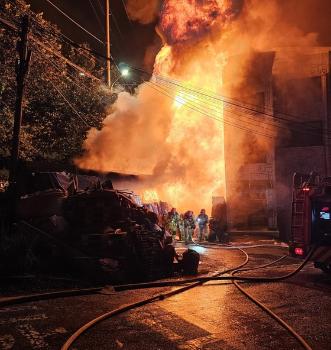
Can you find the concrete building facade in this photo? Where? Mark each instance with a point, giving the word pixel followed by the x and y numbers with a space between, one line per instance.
pixel 277 122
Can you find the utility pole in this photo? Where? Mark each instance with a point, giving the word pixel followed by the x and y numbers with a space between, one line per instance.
pixel 108 42
pixel 22 67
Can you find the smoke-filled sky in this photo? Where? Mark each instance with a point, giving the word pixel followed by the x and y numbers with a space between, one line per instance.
pixel 167 132
pixel 187 167
pixel 130 40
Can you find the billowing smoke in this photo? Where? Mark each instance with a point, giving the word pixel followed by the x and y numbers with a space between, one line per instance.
pixel 171 132
pixel 143 11
pixel 126 143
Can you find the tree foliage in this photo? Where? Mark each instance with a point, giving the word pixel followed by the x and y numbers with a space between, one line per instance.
pixel 60 104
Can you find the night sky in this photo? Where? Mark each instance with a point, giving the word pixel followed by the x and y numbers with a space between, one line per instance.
pixel 130 40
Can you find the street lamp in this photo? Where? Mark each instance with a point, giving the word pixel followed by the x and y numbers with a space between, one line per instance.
pixel 124 73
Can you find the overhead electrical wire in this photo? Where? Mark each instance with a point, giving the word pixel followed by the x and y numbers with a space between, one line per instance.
pixel 229 101
pixel 75 22
pixel 244 125
pixel 70 78
pixel 236 103
pixel 70 105
pixel 67 75
pixel 223 98
pixel 233 107
pixel 228 109
pixel 126 12
pixel 195 108
pixel 58 35
pixel 97 16
pixel 310 131
pixel 233 113
pixel 192 107
pixel 100 6
pixel 217 97
pixel 116 24
pixel 63 40
pixel 14 28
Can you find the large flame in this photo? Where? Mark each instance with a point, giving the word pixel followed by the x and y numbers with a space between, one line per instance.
pixel 169 130
pixel 190 20
pixel 196 133
pixel 170 133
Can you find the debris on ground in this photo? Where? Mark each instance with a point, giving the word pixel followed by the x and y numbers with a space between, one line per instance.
pixel 83 225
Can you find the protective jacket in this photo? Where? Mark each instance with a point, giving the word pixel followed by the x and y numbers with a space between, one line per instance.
pixel 189 222
pixel 172 221
pixel 202 219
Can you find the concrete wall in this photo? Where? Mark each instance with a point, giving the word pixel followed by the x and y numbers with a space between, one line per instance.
pixel 297 91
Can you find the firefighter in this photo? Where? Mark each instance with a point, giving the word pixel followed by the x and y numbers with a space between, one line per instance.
pixel 172 223
pixel 189 226
pixel 202 221
pixel 163 221
pixel 181 227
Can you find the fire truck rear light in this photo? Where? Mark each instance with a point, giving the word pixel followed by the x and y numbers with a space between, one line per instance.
pixel 298 251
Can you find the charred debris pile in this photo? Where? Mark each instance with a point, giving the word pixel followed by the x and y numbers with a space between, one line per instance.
pixel 81 225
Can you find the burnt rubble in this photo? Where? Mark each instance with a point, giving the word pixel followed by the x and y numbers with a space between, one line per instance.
pixel 82 226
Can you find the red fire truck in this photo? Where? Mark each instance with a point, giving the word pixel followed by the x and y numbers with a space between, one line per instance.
pixel 311 218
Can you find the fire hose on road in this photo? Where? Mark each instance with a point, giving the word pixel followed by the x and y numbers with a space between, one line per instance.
pixel 219 277
pixel 194 283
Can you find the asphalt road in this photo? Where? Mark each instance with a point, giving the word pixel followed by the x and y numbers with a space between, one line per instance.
pixel 213 316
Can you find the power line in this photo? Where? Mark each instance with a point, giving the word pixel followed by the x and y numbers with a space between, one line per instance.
pixel 126 12
pixel 67 75
pixel 100 6
pixel 247 115
pixel 241 115
pixel 116 24
pixel 73 21
pixel 13 27
pixel 223 98
pixel 167 81
pixel 231 114
pixel 72 64
pixel 63 39
pixel 226 99
pixel 194 108
pixel 251 114
pixel 70 105
pixel 97 16
pixel 231 101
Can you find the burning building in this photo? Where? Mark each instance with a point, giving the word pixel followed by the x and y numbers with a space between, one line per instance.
pixel 287 100
pixel 225 112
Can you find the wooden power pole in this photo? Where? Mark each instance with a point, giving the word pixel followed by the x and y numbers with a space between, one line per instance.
pixel 22 67
pixel 108 42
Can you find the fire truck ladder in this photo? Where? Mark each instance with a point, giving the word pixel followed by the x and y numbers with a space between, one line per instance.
pixel 298 215
pixel 301 186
